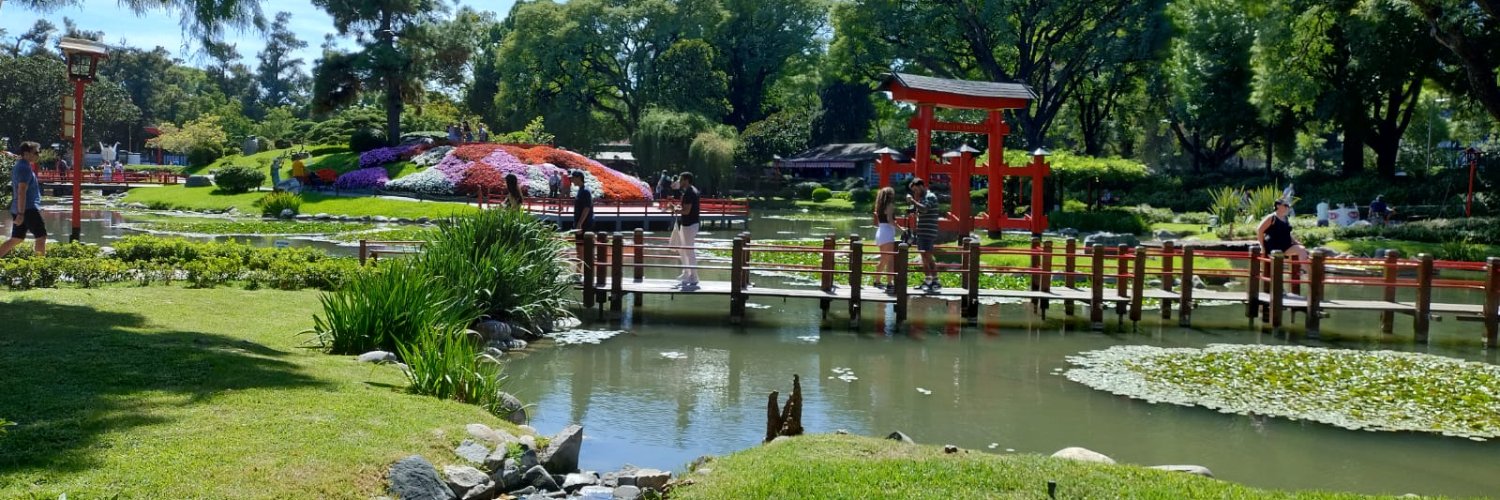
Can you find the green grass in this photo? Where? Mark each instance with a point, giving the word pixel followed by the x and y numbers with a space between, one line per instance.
pixel 164 392
pixel 183 198
pixel 831 205
pixel 245 227
pixel 1367 246
pixel 831 466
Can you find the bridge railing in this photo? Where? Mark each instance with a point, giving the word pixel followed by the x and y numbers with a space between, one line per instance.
pixel 127 177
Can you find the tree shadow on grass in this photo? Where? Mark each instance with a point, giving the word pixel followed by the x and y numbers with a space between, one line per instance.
pixel 70 374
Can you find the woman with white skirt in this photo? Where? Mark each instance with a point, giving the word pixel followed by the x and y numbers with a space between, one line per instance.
pixel 885 236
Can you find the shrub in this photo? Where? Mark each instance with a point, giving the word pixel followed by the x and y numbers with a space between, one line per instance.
pixel 272 204
pixel 841 195
pixel 821 194
pixel 804 190
pixel 202 156
pixel 238 178
pixel 850 183
pixel 385 308
pixel 1476 230
pixel 444 363
pixel 861 195
pixel 365 139
pixel 1153 215
pixel 505 262
pixel 72 250
pixel 1110 220
pixel 90 272
pixel 980 196
pixel 1463 250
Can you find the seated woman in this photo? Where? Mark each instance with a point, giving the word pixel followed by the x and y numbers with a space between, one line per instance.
pixel 1275 234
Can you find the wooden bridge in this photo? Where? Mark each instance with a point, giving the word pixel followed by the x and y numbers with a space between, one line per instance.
pixel 623 214
pixel 1095 279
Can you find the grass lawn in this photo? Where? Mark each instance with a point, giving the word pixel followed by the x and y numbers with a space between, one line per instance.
pixel 1368 246
pixel 338 158
pixel 165 392
pixel 831 205
pixel 831 466
pixel 207 198
pixel 1060 245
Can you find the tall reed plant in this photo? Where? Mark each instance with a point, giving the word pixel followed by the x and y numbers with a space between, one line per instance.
pixel 444 363
pixel 503 262
pixel 387 307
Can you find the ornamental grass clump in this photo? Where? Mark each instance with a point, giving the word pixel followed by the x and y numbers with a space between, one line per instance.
pixel 386 308
pixel 504 262
pixel 446 364
pixel 273 204
pixel 1368 390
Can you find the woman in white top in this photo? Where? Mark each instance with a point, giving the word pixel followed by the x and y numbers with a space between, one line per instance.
pixel 885 234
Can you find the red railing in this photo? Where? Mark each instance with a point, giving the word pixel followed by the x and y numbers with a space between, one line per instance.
pixel 121 178
pixel 710 207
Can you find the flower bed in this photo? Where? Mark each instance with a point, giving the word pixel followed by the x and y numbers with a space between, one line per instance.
pixel 382 156
pixel 432 156
pixel 1369 390
pixel 532 165
pixel 431 181
pixel 364 178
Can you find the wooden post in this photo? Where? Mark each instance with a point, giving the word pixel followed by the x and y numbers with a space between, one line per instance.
pixel 1096 288
pixel 1392 271
pixel 827 273
pixel 1070 266
pixel 971 309
pixel 1315 293
pixel 1278 287
pixel 1122 267
pixel 639 273
pixel 1252 303
pixel 1424 297
pixel 1139 282
pixel 856 277
pixel 617 273
pixel 1492 303
pixel 587 259
pixel 601 248
pixel 737 282
pixel 1167 276
pixel 745 280
pixel 1296 272
pixel 903 252
pixel 1185 304
pixel 1046 273
pixel 364 248
pixel 1036 263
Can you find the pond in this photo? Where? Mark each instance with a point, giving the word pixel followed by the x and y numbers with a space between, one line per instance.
pixel 679 382
pixel 103 226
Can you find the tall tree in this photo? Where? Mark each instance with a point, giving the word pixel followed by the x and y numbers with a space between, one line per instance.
pixel 1051 45
pixel 34 39
pixel 755 42
pixel 1121 69
pixel 29 87
pixel 1470 30
pixel 686 79
pixel 845 114
pixel 279 76
pixel 1207 80
pixel 379 25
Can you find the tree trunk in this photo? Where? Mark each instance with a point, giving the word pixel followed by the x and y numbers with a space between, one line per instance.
pixel 1354 145
pixel 392 80
pixel 1385 158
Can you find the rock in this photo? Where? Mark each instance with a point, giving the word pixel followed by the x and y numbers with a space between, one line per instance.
pixel 1190 469
pixel 561 455
pixel 496 461
pixel 423 220
pixel 198 181
pixel 524 492
pixel 491 331
pixel 136 206
pixel 1165 235
pixel 413 478
pixel 468 482
pixel 901 436
pixel 402 220
pixel 472 451
pixel 1068 232
pixel 573 482
pixel 1198 283
pixel 494 353
pixel 596 493
pixel 514 412
pixel 1082 455
pixel 537 477
pixel 528 459
pixel 287 213
pixel 507 477
pixel 950 449
pixel 527 429
pixel 1111 240
pixel 380 218
pixel 303 217
pixel 528 441
pixel 842 432
pixel 322 216
pixel 378 357
pixel 345 218
pixel 485 434
pixel 627 493
pixel 1153 283
pixel 365 218
pixel 647 479
pixel 1380 253
pixel 233 211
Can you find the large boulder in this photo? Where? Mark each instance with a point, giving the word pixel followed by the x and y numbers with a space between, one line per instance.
pixel 627 493
pixel 1111 240
pixel 472 451
pixel 511 409
pixel 468 482
pixel 413 478
pixel 902 437
pixel 561 455
pixel 485 434
pixel 491 330
pixel 199 181
pixel 537 477
pixel 1082 455
pixel 647 479
pixel 574 481
pixel 378 357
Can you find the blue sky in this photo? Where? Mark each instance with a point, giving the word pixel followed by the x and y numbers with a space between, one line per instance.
pixel 159 27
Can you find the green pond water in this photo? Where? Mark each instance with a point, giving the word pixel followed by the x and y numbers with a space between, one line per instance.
pixel 679 382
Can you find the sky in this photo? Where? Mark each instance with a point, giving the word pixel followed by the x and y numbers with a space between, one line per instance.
pixel 160 27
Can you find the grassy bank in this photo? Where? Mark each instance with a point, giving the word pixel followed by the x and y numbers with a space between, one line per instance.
pixel 207 198
pixel 829 466
pixel 165 392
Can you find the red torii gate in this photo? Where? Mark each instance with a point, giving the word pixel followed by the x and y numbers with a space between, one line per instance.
pixel 928 93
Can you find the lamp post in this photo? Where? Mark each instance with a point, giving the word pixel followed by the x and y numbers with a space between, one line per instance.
pixel 82 58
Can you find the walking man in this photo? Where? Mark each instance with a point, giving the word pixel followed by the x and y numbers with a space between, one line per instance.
pixel 925 204
pixel 554 184
pixel 26 206
pixel 687 227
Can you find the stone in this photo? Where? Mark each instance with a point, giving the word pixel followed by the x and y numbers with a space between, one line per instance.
pixel 381 218
pixel 198 181
pixel 513 411
pixel 950 449
pixel 1111 240
pixel 537 477
pixel 901 436
pixel 1198 283
pixel 287 213
pixel 561 455
pixel 596 493
pixel 321 216
pixel 508 477
pixel 627 492
pixel 423 220
pixel 137 206
pixel 1190 469
pixel 413 478
pixel 468 482
pixel 528 459
pixel 1068 232
pixel 647 479
pixel 527 429
pixel 1381 252
pixel 485 434
pixel 365 218
pixel 1082 455
pixel 1165 235
pixel 378 357
pixel 574 481
pixel 524 492
pixel 303 217
pixel 528 441
pixel 472 451
pixel 494 353
pixel 496 460
pixel 491 330
pixel 1153 283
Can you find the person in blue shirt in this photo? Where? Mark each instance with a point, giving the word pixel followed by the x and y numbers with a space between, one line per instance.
pixel 26 206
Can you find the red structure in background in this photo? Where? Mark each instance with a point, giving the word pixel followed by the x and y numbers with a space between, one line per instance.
pixel 929 93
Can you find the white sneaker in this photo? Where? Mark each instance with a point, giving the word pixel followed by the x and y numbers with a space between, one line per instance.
pixel 689 287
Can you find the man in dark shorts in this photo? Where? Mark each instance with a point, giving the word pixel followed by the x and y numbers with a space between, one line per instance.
pixel 26 206
pixel 925 206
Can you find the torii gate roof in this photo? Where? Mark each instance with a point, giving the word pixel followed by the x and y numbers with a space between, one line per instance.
pixel 962 94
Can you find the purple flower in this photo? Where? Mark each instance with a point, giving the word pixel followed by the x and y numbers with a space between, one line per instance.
pixel 381 156
pixel 364 178
pixel 452 167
